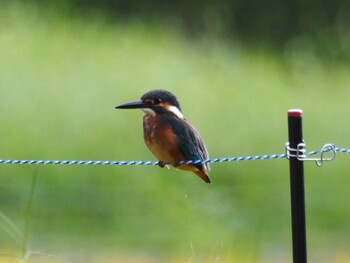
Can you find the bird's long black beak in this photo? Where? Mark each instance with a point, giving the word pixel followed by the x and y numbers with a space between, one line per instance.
pixel 132 105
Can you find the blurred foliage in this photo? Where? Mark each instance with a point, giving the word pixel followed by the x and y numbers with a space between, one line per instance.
pixel 60 78
pixel 323 25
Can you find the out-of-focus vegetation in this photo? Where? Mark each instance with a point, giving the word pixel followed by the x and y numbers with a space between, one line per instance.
pixel 322 26
pixel 60 78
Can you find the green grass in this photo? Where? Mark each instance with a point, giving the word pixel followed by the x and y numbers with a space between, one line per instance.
pixel 60 80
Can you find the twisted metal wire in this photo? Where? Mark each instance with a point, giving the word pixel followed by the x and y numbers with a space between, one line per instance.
pixel 216 160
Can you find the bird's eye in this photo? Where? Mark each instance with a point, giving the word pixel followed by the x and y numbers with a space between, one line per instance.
pixel 153 101
pixel 157 101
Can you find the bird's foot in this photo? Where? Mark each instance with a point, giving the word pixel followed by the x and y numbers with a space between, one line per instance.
pixel 161 164
pixel 164 164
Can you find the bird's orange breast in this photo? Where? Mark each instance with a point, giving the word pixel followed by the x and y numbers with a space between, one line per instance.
pixel 161 140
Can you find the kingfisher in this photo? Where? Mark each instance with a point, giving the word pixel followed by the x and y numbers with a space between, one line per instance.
pixel 168 134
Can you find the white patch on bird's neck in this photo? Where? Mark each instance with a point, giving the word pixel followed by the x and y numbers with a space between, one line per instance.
pixel 148 111
pixel 173 109
pixel 176 111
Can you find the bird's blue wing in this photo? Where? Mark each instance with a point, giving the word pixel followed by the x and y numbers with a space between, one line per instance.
pixel 190 141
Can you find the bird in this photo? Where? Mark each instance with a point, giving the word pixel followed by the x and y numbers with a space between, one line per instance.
pixel 169 135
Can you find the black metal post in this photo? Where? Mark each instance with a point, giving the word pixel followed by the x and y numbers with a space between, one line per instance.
pixel 297 188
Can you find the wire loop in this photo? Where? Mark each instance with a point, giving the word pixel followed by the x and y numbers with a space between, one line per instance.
pixel 301 155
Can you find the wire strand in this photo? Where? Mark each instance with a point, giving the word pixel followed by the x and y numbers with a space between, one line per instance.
pixel 215 160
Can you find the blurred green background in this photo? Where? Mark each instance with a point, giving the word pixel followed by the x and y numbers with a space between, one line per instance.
pixel 236 67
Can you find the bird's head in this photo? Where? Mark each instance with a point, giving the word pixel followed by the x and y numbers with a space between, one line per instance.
pixel 155 102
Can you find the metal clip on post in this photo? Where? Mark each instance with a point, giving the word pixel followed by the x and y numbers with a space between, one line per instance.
pixel 300 153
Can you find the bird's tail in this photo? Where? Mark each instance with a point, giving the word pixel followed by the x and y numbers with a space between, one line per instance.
pixel 203 174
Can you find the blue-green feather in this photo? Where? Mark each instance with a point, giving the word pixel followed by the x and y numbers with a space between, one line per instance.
pixel 189 140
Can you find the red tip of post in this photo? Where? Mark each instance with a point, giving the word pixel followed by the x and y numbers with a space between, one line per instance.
pixel 295 113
